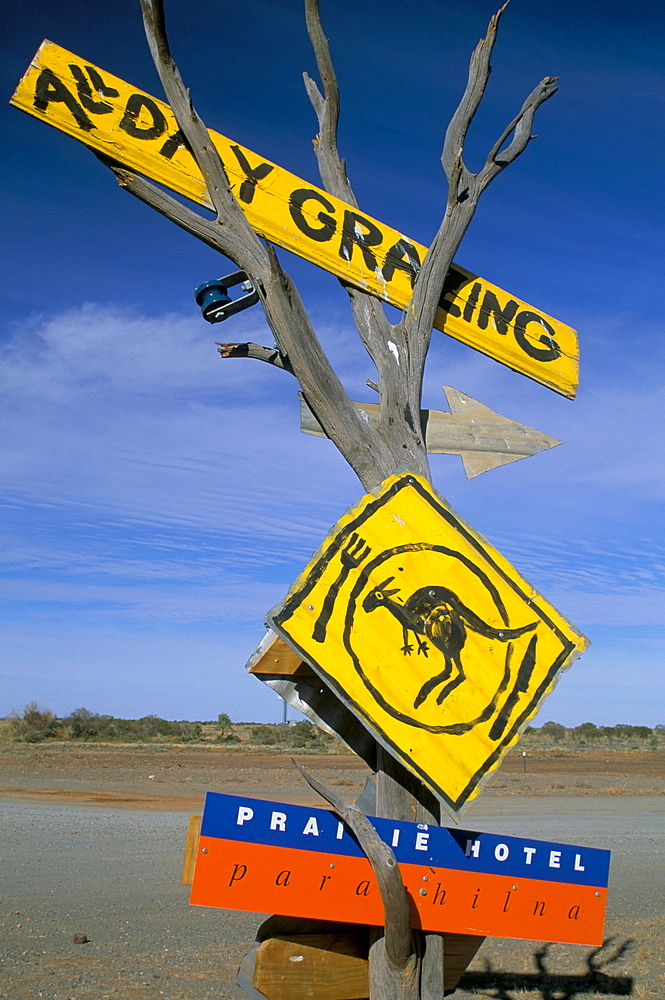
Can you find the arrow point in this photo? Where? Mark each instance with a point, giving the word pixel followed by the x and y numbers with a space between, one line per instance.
pixel 477 461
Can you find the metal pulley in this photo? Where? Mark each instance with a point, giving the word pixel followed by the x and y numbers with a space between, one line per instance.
pixel 216 303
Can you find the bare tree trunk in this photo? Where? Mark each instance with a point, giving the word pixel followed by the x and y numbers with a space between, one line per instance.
pixel 403 965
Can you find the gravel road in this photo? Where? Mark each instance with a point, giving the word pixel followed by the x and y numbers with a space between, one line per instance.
pixel 113 875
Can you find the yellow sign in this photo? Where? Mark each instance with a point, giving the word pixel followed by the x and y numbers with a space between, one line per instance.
pixel 427 634
pixel 140 132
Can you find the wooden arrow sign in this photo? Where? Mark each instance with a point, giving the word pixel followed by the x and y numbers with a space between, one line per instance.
pixel 483 439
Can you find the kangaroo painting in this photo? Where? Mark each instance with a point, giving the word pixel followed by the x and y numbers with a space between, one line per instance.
pixel 439 615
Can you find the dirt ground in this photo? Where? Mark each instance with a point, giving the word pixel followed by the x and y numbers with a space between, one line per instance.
pixel 176 777
pixel 91 840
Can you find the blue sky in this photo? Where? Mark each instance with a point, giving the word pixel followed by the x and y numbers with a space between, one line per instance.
pixel 156 501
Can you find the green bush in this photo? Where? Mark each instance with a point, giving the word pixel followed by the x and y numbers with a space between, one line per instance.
pixel 554 730
pixel 34 725
pixel 263 736
pixel 586 731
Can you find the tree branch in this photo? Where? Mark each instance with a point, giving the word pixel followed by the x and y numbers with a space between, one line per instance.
pixel 222 239
pixel 398 937
pixel 271 355
pixel 399 422
pixel 370 458
pixel 479 72
pixel 521 127
pixel 229 212
pixel 331 168
pixel 464 190
pixel 359 443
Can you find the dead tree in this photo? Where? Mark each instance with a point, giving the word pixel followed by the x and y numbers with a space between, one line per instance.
pixel 402 964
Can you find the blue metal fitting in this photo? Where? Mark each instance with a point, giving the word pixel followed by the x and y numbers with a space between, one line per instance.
pixel 216 303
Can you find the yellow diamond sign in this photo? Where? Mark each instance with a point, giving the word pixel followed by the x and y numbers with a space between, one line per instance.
pixel 427 634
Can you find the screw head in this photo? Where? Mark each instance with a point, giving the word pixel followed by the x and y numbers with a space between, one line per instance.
pixel 423 892
pixel 204 850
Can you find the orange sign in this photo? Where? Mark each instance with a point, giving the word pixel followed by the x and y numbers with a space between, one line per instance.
pixel 271 857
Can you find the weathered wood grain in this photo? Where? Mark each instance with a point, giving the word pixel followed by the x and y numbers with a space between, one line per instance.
pixel 482 438
pixel 189 861
pixel 331 963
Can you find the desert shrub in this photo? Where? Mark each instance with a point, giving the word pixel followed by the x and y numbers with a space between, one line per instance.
pixel 83 725
pixel 625 731
pixel 188 732
pixel 231 738
pixel 303 735
pixel 262 736
pixel 554 730
pixel 35 724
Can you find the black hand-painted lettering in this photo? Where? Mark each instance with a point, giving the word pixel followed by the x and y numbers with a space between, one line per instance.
pixel 84 90
pixel 351 235
pixel 454 281
pixel 173 143
pixel 328 225
pixel 549 353
pixel 98 83
pixel 129 122
pixel 502 315
pixel 471 302
pixel 252 174
pixel 403 256
pixel 49 89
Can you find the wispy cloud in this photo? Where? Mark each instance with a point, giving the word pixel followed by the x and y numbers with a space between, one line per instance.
pixel 149 486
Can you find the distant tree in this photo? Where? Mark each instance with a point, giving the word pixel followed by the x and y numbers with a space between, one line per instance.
pixel 624 730
pixel 554 730
pixel 224 725
pixel 82 724
pixel 586 731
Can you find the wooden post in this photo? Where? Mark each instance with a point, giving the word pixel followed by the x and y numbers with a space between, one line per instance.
pixel 400 795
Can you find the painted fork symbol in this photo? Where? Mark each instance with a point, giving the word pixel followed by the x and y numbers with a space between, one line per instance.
pixel 351 556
